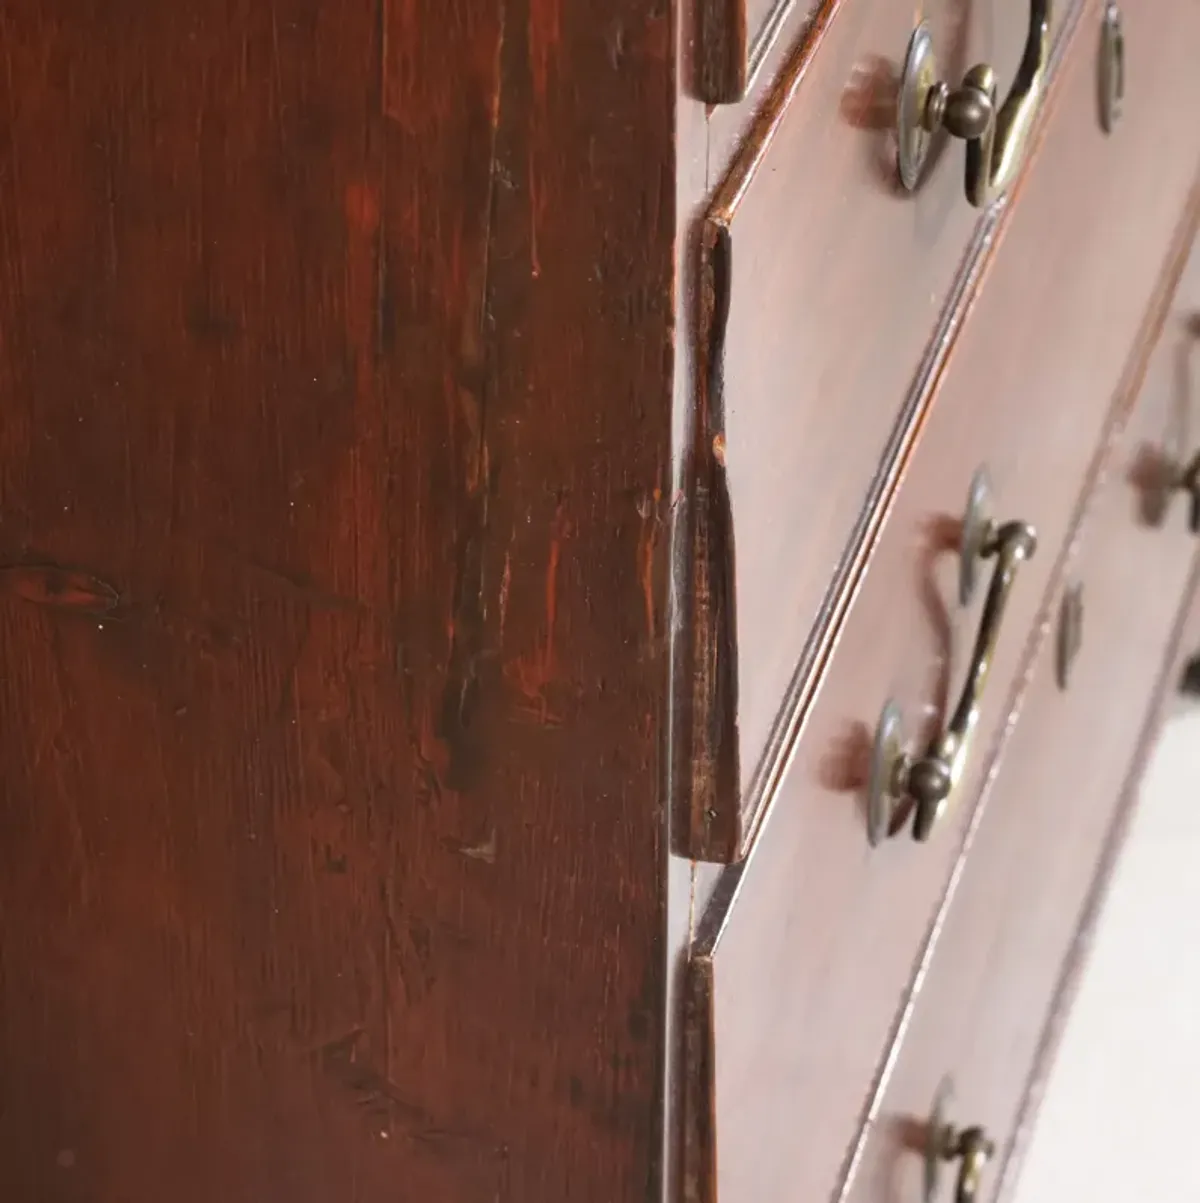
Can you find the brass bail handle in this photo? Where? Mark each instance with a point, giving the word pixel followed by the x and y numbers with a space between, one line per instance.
pixel 932 778
pixel 996 138
pixel 928 783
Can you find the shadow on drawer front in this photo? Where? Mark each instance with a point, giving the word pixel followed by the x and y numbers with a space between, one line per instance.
pixel 822 281
pixel 806 959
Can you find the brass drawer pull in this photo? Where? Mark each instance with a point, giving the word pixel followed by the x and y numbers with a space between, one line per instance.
pixel 970 1147
pixel 1112 68
pixel 996 140
pixel 1070 633
pixel 928 783
pixel 1164 476
pixel 1187 481
pixel 1168 470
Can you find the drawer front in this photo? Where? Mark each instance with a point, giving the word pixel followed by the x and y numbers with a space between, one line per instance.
pixel 735 38
pixel 808 946
pixel 1035 846
pixel 821 285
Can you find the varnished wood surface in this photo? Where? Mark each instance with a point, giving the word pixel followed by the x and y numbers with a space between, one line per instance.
pixel 335 357
pixel 805 957
pixel 1033 848
pixel 821 283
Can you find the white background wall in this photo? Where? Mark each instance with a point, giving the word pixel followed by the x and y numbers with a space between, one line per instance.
pixel 1120 1122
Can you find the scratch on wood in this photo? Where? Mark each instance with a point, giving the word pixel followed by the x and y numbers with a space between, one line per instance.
pixel 304 591
pixel 484 852
pixel 382 14
pixel 345 1061
pixel 392 41
pixel 466 622
pixel 535 211
pixel 505 587
pixel 545 32
pixel 533 673
pixel 552 560
pixel 469 611
pixel 648 510
pixel 60 588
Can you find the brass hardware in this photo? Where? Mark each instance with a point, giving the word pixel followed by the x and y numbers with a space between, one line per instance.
pixel 1187 481
pixel 899 782
pixel 995 139
pixel 976 524
pixel 1112 67
pixel 1167 472
pixel 971 1147
pixel 1167 476
pixel 1070 632
pixel 1190 685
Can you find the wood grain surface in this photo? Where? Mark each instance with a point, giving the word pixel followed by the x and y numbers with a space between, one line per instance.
pixel 821 282
pixel 805 958
pixel 335 365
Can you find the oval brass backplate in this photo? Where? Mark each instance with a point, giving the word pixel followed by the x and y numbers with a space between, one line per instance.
pixel 1112 68
pixel 887 759
pixel 976 530
pixel 1070 632
pixel 912 133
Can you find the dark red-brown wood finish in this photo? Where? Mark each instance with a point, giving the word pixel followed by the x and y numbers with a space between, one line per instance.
pixel 385 388
pixel 335 374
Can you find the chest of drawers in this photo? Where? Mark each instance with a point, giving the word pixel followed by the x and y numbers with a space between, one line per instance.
pixel 585 586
